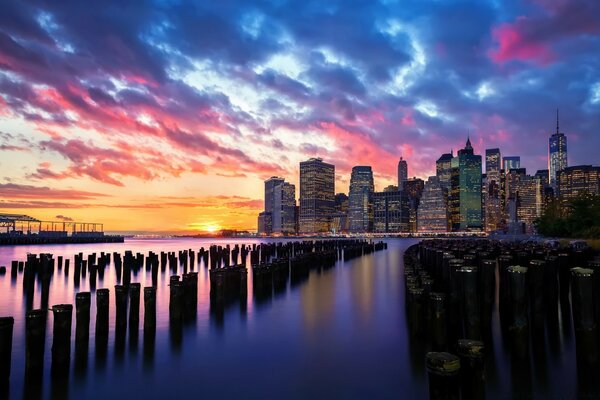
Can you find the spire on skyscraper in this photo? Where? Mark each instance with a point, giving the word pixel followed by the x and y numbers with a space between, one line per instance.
pixel 468 145
pixel 557 121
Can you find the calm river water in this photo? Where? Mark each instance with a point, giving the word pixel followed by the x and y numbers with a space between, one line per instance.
pixel 340 334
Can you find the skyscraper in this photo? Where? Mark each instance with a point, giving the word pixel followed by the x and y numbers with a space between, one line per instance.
pixel 493 200
pixel 557 154
pixel 443 170
pixel 432 214
pixel 390 212
pixel 529 200
pixel 280 208
pixel 512 162
pixel 402 173
pixel 284 209
pixel 360 213
pixel 466 190
pixel 413 188
pixel 317 195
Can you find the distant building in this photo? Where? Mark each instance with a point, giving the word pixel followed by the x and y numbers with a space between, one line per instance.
pixel 390 212
pixel 578 181
pixel 280 208
pixel 265 223
pixel 413 188
pixel 466 212
pixel 557 154
pixel 317 196
pixel 512 179
pixel 339 219
pixel 402 173
pixel 391 188
pixel 284 209
pixel 443 170
pixel 529 196
pixel 432 214
pixel 512 162
pixel 360 213
pixel 493 203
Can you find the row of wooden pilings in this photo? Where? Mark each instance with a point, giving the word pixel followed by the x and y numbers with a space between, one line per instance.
pixel 276 263
pixel 450 297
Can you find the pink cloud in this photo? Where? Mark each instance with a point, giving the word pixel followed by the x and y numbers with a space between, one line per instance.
pixel 513 45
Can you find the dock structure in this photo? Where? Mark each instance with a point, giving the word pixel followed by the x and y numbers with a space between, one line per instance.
pixel 17 229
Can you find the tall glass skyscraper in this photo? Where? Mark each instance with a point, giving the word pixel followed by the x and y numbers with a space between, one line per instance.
pixel 557 154
pixel 360 213
pixel 402 173
pixel 284 209
pixel 466 190
pixel 317 195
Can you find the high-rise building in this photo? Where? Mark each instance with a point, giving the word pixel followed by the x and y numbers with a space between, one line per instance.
pixel 511 162
pixel 339 220
pixel 413 188
pixel 557 154
pixel 280 208
pixel 317 195
pixel 443 170
pixel 402 173
pixel 529 201
pixel 284 209
pixel 390 212
pixel 579 180
pixel 512 179
pixel 466 213
pixel 493 199
pixel 360 213
pixel 265 223
pixel 432 214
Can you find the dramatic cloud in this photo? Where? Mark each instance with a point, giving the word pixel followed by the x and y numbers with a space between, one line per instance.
pixel 129 96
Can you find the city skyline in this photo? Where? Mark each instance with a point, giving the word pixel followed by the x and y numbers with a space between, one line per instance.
pixel 169 117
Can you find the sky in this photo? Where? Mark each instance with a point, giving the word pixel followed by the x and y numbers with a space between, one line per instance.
pixel 166 116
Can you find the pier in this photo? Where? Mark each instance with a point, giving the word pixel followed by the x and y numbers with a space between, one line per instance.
pixel 17 229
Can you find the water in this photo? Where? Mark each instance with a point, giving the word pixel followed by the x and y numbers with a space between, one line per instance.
pixel 340 334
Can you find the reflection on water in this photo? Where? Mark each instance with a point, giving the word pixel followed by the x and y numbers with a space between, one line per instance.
pixel 337 332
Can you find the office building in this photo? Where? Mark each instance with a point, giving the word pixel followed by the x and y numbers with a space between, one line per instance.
pixel 432 214
pixel 557 154
pixel 402 173
pixel 465 202
pixel 579 180
pixel 360 213
pixel 443 170
pixel 317 196
pixel 390 212
pixel 413 188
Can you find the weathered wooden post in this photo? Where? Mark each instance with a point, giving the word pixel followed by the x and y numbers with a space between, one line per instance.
pixel 472 369
pixel 519 328
pixel 470 302
pixel 443 373
pixel 586 334
pixel 6 337
pixel 61 341
pixel 35 340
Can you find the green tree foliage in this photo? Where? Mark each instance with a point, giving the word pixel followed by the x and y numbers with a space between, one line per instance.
pixel 579 218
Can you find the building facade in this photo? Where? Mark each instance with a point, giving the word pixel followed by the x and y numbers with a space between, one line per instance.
pixel 317 196
pixel 466 211
pixel 414 189
pixel 402 173
pixel 390 212
pixel 360 212
pixel 443 170
pixel 284 209
pixel 580 180
pixel 493 204
pixel 432 214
